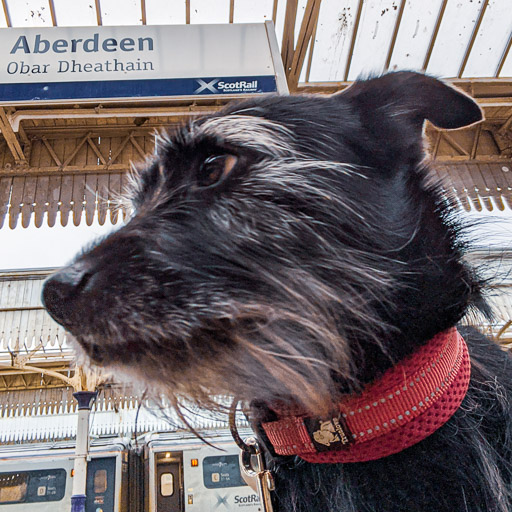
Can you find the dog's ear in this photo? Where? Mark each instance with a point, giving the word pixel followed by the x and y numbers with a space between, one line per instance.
pixel 415 97
pixel 392 108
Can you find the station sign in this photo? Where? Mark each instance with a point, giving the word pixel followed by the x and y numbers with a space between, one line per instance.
pixel 63 64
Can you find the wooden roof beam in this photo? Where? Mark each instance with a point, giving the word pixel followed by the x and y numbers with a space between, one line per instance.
pixel 98 12
pixel 274 11
pixel 6 13
pixel 476 139
pixel 503 137
pixel 14 120
pixel 434 35
pixel 507 125
pixel 476 28
pixel 504 57
pixel 12 380
pixel 307 28
pixel 143 16
pixel 395 35
pixel 11 139
pixel 52 13
pixel 491 91
pixel 76 381
pixel 311 51
pixel 231 10
pixel 288 43
pixel 353 39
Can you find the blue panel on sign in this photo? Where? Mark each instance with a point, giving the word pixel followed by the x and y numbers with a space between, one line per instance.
pixel 137 88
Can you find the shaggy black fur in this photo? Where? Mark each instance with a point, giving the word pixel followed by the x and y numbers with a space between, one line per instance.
pixel 292 249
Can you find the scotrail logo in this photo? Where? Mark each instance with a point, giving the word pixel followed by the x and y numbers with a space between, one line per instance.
pixel 203 86
pixel 218 86
pixel 221 500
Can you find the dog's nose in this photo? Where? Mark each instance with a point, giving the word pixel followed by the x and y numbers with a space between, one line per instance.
pixel 62 292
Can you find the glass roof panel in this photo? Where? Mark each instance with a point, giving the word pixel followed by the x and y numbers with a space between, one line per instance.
pixel 83 13
pixel 334 32
pixel 491 40
pixel 507 67
pixel 454 35
pixel 165 12
pixel 280 15
pixel 113 13
pixel 301 9
pixel 249 11
pixel 415 33
pixel 298 20
pixel 303 72
pixel 332 42
pixel 206 11
pixel 29 13
pixel 378 20
pixel 280 19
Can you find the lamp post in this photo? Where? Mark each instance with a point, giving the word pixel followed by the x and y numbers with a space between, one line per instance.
pixel 85 400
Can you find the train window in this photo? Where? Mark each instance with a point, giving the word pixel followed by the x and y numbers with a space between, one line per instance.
pixel 222 471
pixel 32 486
pixel 13 487
pixel 100 481
pixel 166 484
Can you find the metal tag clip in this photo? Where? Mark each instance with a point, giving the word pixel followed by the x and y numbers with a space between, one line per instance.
pixel 258 478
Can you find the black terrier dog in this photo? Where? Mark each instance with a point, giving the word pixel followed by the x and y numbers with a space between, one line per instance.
pixel 295 253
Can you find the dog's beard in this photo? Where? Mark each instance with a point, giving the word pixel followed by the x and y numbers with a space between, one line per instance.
pixel 293 347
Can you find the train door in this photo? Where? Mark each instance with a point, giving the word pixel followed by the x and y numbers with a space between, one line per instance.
pixel 169 483
pixel 101 480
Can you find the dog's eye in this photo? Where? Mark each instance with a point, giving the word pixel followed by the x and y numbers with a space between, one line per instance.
pixel 215 169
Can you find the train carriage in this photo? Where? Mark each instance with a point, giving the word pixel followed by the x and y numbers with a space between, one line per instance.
pixel 38 477
pixel 187 475
pixel 161 472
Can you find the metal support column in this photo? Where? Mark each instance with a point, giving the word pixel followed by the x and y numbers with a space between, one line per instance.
pixel 85 400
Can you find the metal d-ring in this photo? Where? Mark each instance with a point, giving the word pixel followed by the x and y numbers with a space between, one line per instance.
pixel 252 463
pixel 255 474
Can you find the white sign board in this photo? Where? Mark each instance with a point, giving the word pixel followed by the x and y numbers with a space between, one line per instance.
pixel 100 63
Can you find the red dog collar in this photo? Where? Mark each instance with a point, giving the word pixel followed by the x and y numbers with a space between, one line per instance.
pixel 408 403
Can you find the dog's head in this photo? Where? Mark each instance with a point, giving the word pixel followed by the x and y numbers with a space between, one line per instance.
pixel 287 248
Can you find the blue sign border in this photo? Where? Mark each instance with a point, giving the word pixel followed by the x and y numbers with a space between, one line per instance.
pixel 209 86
